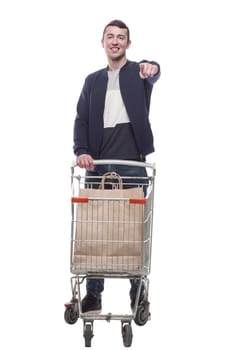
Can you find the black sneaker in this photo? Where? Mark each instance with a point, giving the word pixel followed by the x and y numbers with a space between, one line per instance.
pixel 132 304
pixel 91 304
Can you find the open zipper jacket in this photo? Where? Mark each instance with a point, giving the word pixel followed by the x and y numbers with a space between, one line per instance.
pixel 136 95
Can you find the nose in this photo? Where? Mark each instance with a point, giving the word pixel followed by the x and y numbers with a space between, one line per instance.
pixel 114 40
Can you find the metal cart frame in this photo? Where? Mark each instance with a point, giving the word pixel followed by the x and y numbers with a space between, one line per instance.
pixel 140 312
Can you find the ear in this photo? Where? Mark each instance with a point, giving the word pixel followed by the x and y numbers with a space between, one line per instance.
pixel 128 44
pixel 102 42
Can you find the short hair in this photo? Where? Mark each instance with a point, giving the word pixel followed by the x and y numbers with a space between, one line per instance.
pixel 117 23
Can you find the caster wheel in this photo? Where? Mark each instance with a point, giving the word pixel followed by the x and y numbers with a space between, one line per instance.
pixel 142 314
pixel 127 335
pixel 71 316
pixel 88 334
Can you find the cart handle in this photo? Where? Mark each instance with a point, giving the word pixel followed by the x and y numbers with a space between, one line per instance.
pixel 120 162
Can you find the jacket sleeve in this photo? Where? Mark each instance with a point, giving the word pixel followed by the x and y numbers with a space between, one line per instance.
pixel 80 136
pixel 156 77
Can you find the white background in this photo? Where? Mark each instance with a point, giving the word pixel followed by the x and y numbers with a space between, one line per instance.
pixel 47 49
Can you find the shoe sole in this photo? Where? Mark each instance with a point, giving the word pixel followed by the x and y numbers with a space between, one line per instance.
pixel 94 312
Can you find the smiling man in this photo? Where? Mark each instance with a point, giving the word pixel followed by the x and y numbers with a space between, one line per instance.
pixel 112 122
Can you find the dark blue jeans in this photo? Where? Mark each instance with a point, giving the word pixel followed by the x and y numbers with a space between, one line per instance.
pixel 95 286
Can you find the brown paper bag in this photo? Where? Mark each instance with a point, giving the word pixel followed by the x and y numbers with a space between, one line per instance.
pixel 109 229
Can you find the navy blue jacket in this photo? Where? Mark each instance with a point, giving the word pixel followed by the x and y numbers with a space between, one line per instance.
pixel 136 94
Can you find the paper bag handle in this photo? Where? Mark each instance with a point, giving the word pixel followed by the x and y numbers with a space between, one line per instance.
pixel 111 175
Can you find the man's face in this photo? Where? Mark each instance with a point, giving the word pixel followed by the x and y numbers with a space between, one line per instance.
pixel 115 42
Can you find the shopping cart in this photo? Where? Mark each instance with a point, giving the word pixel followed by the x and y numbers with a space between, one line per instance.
pixel 111 237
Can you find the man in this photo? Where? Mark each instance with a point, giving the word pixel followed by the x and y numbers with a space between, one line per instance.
pixel 112 122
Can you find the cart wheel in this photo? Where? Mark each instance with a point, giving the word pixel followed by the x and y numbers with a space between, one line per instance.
pixel 142 314
pixel 70 315
pixel 88 334
pixel 127 335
